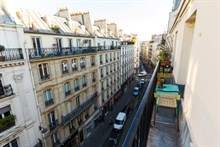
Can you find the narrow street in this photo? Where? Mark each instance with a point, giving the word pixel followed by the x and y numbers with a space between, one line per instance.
pixel 104 134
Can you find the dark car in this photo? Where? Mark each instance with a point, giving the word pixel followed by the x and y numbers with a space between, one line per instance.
pixel 139 85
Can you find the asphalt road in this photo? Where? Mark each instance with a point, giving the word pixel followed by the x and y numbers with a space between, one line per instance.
pixel 116 138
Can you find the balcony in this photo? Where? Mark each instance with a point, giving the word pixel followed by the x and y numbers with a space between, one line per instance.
pixel 49 102
pixel 74 68
pixel 10 54
pixel 65 71
pixel 6 91
pixel 92 64
pixel 53 124
pixel 55 52
pixel 67 93
pixel 76 88
pixel 81 108
pixel 45 77
pixel 84 84
pixel 143 132
pixel 7 122
pixel 83 66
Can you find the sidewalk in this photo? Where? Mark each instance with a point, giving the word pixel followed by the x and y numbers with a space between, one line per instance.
pixel 97 139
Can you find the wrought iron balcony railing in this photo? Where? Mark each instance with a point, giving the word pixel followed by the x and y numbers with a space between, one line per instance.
pixel 10 54
pixel 93 64
pixel 77 88
pixel 139 129
pixel 45 77
pixel 6 91
pixel 81 108
pixel 53 124
pixel 56 52
pixel 67 93
pixel 49 102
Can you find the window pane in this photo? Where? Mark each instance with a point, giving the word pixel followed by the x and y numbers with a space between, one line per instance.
pixel 14 143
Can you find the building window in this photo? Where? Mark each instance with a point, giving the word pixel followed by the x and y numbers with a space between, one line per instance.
pixel 70 44
pixel 74 65
pixel 48 98
pixel 1 88
pixel 102 85
pixel 84 81
pixel 106 70
pixel 82 63
pixel 13 143
pixel 92 60
pixel 106 82
pixel 93 77
pixel 106 58
pixel 77 101
pixel 67 89
pixel 100 59
pixel 101 72
pixel 54 138
pixel 36 45
pixel 53 123
pixel 110 57
pixel 64 65
pixel 59 44
pixel 44 73
pixel 76 84
pixel 78 43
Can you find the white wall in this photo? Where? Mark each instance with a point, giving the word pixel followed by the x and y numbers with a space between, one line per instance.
pixel 200 66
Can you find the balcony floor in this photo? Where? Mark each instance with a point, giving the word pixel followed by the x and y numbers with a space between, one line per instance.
pixel 164 133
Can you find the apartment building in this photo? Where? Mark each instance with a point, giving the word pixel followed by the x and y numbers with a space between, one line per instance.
pixel 127 63
pixel 109 63
pixel 19 119
pixel 75 69
pixel 191 25
pixel 64 69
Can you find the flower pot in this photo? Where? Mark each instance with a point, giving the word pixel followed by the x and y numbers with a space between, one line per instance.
pixel 159 83
pixel 2 58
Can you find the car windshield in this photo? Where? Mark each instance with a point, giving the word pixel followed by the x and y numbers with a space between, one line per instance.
pixel 118 122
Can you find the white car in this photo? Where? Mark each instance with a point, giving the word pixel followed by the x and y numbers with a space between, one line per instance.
pixel 143 73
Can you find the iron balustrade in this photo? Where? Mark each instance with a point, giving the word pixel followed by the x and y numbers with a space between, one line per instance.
pixel 10 54
pixel 83 66
pixel 84 84
pixel 67 118
pixel 138 132
pixel 53 124
pixel 93 64
pixel 6 91
pixel 74 68
pixel 35 53
pixel 67 93
pixel 65 71
pixel 49 102
pixel 45 77
pixel 77 88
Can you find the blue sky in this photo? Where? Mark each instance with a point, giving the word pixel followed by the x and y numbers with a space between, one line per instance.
pixel 143 17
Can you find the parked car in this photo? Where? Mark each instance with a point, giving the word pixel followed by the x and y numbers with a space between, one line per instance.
pixel 143 73
pixel 139 85
pixel 142 81
pixel 119 121
pixel 136 91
